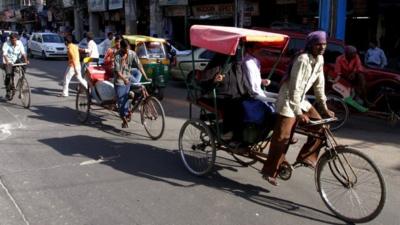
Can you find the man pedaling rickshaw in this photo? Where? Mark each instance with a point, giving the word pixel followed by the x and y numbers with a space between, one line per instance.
pixel 292 106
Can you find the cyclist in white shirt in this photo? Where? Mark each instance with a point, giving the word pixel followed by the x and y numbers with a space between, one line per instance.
pixel 92 50
pixel 13 51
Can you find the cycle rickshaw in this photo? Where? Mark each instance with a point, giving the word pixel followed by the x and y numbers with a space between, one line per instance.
pixel 348 181
pixel 101 93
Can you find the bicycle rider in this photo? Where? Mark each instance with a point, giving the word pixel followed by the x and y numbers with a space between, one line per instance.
pixel 13 52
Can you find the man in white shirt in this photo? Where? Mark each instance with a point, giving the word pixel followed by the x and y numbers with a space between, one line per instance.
pixel 92 50
pixel 252 69
pixel 13 51
pixel 107 42
pixel 375 57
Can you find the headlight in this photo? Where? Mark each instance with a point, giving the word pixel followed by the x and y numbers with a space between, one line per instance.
pixel 48 48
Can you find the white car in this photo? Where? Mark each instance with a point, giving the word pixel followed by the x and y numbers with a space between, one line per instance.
pixel 47 45
pixel 182 65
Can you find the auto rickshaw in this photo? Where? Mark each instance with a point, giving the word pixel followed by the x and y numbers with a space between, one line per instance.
pixel 154 57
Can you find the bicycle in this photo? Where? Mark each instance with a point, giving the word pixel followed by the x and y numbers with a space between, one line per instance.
pixel 24 91
pixel 152 115
pixel 343 176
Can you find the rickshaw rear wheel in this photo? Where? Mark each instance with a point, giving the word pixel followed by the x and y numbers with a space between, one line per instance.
pixel 197 147
pixel 82 104
pixel 153 117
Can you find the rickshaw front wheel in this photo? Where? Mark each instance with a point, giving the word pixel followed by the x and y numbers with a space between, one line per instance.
pixel 82 104
pixel 197 147
pixel 153 117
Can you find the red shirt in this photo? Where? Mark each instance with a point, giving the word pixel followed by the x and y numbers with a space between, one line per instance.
pixel 344 67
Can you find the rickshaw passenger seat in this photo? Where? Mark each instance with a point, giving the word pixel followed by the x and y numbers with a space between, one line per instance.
pixel 208 105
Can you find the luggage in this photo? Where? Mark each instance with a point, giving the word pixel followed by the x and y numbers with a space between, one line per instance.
pixel 105 90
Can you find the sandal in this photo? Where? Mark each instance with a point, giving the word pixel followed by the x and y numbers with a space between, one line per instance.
pixel 307 163
pixel 124 122
pixel 271 180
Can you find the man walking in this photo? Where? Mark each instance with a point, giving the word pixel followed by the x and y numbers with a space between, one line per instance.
pixel 74 66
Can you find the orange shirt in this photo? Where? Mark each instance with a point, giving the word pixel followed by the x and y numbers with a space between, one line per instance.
pixel 73 55
pixel 344 67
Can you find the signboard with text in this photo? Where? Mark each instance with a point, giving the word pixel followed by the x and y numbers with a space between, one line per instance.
pixel 115 4
pixel 173 2
pixel 97 5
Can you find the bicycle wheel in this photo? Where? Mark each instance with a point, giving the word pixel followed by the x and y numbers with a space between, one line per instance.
pixel 197 147
pixel 82 104
pixel 339 107
pixel 351 185
pixel 153 117
pixel 24 92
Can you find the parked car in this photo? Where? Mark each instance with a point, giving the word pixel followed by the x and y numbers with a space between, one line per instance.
pixel 182 65
pixel 46 45
pixel 375 78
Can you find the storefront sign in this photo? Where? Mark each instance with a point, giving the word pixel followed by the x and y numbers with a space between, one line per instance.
pixel 97 5
pixel 115 4
pixel 173 2
pixel 175 10
pixel 213 10
pixel 68 3
pixel 224 9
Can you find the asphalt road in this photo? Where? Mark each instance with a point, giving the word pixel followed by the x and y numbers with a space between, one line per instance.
pixel 54 170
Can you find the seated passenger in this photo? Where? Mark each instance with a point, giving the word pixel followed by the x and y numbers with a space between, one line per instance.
pixel 230 88
pixel 109 56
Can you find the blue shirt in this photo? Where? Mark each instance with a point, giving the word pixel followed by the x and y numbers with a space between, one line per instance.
pixel 376 56
pixel 11 52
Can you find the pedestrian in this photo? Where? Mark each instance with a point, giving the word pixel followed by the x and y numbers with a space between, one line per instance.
pixel 307 71
pixel 107 42
pixel 375 57
pixel 73 68
pixel 125 60
pixel 24 39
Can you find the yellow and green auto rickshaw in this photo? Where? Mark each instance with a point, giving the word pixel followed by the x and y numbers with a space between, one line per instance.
pixel 153 55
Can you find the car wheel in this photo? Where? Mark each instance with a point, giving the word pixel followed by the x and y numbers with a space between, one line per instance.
pixel 30 55
pixel 44 55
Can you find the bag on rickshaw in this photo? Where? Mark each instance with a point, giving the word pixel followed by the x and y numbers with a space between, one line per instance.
pixel 257 118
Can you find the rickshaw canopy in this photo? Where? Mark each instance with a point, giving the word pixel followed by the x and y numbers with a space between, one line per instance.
pixel 225 40
pixel 134 39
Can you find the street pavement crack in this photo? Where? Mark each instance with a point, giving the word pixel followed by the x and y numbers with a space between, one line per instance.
pixel 20 212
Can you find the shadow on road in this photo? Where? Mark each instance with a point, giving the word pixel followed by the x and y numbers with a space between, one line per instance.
pixel 370 131
pixel 162 165
pixel 68 117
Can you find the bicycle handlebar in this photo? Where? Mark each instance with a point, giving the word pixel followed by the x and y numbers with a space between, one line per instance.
pixel 142 83
pixel 19 64
pixel 322 121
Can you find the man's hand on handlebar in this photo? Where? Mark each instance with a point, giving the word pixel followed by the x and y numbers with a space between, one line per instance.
pixel 302 118
pixel 219 77
pixel 328 113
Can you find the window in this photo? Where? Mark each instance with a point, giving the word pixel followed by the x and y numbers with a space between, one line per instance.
pixel 207 55
pixel 51 38
pixel 294 46
pixel 39 38
pixel 332 52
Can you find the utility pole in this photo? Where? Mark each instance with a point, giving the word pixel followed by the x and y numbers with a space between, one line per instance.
pixel 78 18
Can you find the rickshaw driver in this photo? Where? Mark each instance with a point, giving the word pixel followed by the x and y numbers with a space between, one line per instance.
pixel 125 60
pixel 306 72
